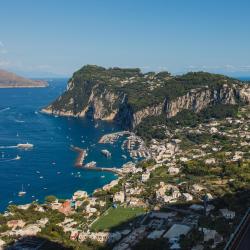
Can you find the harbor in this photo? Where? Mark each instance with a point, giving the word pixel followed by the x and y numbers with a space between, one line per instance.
pixel 79 163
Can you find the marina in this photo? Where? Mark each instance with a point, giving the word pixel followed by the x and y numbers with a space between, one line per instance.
pixel 82 153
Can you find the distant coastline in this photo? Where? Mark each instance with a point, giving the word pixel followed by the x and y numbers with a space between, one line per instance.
pixel 11 80
pixel 11 86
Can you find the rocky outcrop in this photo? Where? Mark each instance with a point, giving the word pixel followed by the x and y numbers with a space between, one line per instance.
pixel 196 100
pixel 149 111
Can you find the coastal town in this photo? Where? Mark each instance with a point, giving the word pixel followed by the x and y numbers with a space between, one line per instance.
pixel 180 193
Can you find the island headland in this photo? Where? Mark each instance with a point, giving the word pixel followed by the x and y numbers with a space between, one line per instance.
pixel 128 96
pixel 11 80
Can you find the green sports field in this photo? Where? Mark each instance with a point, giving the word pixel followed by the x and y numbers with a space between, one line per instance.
pixel 114 217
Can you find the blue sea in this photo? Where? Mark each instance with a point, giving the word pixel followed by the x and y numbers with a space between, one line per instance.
pixel 48 168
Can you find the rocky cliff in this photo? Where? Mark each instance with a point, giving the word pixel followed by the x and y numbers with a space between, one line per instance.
pixel 127 96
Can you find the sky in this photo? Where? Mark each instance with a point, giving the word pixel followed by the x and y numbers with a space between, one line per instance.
pixel 57 37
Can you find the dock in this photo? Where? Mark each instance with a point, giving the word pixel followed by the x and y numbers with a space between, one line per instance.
pixel 82 153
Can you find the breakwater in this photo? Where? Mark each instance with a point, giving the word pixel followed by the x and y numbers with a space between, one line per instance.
pixel 82 153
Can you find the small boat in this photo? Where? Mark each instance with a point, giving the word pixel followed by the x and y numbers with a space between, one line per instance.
pixel 91 164
pixel 10 202
pixel 103 176
pixel 124 156
pixel 22 192
pixel 38 172
pixel 41 177
pixel 106 153
pixel 25 145
pixel 17 157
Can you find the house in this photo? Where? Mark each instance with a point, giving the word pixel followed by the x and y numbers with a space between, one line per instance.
pixel 55 205
pixel 145 176
pixel 65 207
pixel 211 235
pixel 2 243
pixel 136 202
pixel 198 188
pixel 14 224
pixel 78 204
pixel 162 215
pixel 210 161
pixel 119 197
pixel 213 130
pixel 80 195
pixel 173 170
pixel 74 234
pixel 24 207
pixel 42 222
pixel 227 213
pixel 187 196
pixel 176 231
pixel 156 234
pixel 90 209
pixel 29 230
pixel 102 237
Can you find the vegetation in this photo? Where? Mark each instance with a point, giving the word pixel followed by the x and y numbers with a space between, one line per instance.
pixel 141 90
pixel 155 126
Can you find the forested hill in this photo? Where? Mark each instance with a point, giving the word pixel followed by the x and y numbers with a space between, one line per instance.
pixel 129 96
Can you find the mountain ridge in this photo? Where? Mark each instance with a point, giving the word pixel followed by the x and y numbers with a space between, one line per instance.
pixel 11 80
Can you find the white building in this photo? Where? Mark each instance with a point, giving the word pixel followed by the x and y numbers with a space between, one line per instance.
pixel 173 170
pixel 227 213
pixel 176 231
pixel 119 197
pixel 145 176
pixel 80 195
pixel 156 234
pixel 187 196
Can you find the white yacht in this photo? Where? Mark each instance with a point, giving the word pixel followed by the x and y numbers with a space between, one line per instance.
pixel 22 192
pixel 25 145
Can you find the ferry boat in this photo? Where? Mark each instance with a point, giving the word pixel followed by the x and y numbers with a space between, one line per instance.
pixel 25 145
pixel 21 193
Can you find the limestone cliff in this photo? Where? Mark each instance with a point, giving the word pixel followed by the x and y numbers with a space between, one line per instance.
pixel 127 96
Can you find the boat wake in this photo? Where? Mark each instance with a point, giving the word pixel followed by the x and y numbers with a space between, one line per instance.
pixel 6 147
pixel 13 159
pixel 19 121
pixel 5 109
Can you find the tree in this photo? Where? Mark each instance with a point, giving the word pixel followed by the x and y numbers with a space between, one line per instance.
pixel 50 198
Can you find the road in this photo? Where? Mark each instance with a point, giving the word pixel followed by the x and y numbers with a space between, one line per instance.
pixel 244 243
